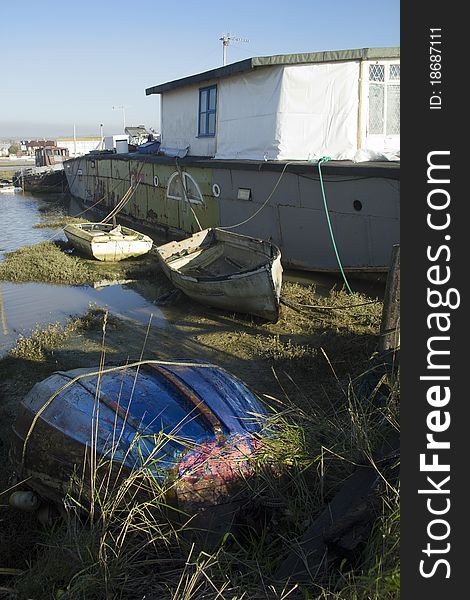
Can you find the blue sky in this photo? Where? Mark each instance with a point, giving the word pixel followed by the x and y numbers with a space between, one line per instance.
pixel 71 62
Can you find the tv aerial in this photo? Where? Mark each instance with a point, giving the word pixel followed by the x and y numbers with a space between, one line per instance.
pixel 226 39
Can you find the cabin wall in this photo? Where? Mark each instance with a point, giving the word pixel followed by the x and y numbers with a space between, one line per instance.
pixel 296 112
pixel 179 121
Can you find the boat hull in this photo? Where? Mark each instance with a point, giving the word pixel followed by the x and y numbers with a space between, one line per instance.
pixel 254 290
pixel 185 424
pixel 7 189
pixel 108 248
pixel 50 181
pixel 363 202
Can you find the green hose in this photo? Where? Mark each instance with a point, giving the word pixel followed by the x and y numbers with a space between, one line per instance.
pixel 323 160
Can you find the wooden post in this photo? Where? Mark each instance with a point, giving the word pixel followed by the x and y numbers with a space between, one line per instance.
pixel 390 326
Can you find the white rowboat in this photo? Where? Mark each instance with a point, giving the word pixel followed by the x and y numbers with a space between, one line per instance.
pixel 107 242
pixel 226 270
pixel 7 189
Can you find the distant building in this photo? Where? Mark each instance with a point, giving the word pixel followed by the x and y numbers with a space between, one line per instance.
pixel 4 148
pixel 80 145
pixel 137 135
pixel 287 107
pixel 32 145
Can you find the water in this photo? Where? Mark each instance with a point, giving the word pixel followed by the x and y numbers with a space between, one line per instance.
pixel 7 167
pixel 24 306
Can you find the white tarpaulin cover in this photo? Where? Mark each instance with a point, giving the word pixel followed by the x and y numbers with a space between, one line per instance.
pixel 318 114
pixel 296 112
pixel 247 122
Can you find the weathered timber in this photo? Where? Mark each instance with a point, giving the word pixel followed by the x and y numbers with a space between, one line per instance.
pixel 390 327
pixel 343 527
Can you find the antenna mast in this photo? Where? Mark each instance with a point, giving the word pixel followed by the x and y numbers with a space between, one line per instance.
pixel 123 108
pixel 226 39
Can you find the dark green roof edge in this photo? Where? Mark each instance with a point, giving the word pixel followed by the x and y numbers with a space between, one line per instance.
pixel 279 59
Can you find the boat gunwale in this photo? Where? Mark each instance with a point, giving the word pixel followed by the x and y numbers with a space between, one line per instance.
pixel 242 273
pixel 76 230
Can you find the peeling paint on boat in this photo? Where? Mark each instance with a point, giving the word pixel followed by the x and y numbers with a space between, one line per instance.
pixel 187 423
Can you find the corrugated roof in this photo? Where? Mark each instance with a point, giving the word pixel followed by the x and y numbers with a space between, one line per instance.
pixel 256 62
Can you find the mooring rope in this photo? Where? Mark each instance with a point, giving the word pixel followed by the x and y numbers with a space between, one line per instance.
pixel 98 201
pixel 127 196
pixel 264 203
pixel 328 220
pixel 183 185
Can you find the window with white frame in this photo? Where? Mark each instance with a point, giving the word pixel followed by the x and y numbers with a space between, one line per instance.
pixel 384 99
pixel 175 189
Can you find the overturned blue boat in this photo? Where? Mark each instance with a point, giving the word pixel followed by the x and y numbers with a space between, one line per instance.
pixel 191 427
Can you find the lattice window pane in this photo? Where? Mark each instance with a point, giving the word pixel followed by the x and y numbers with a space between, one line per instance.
pixel 376 108
pixel 376 72
pixel 394 72
pixel 393 110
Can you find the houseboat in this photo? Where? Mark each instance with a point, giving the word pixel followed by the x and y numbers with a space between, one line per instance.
pixel 300 149
pixel 48 174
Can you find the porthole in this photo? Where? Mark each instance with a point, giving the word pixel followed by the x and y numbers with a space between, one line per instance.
pixel 357 204
pixel 216 190
pixel 156 181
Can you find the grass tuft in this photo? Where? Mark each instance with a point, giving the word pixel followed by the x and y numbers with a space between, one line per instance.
pixel 41 341
pixel 44 262
pixel 56 222
pixel 51 262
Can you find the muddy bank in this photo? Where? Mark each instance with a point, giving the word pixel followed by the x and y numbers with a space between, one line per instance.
pixel 305 366
pixel 301 365
pixel 56 262
pixel 300 360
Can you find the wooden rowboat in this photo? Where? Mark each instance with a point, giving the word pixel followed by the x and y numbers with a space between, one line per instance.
pixel 6 187
pixel 191 425
pixel 107 242
pixel 226 270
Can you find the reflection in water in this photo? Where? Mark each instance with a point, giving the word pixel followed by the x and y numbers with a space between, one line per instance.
pixel 21 211
pixel 23 306
pixel 30 304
